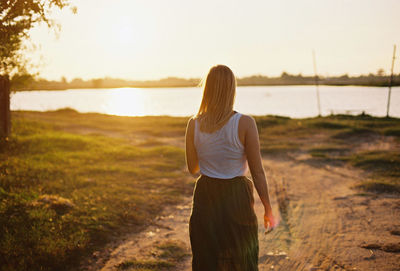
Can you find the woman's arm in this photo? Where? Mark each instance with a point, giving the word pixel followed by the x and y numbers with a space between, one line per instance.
pixel 192 161
pixel 252 149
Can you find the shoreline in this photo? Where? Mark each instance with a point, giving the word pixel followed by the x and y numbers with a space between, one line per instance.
pixel 197 86
pixel 71 110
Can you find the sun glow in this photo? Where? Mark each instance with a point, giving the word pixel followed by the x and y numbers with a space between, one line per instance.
pixel 124 32
pixel 122 35
pixel 145 40
pixel 128 102
pixel 120 38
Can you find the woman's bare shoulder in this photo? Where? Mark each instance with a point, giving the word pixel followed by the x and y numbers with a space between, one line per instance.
pixel 191 120
pixel 246 121
pixel 246 125
pixel 190 123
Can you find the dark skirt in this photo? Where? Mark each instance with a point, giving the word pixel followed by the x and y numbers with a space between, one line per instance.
pixel 223 225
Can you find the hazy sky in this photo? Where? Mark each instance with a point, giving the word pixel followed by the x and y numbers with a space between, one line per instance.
pixel 151 39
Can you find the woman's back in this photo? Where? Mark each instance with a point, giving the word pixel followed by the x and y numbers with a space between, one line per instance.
pixel 220 143
pixel 221 154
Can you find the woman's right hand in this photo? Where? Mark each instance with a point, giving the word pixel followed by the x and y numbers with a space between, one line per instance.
pixel 269 221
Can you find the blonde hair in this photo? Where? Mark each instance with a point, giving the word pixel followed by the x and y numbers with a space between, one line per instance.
pixel 219 90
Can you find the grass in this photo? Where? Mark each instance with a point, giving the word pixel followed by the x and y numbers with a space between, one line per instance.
pixel 150 265
pixel 172 249
pixel 276 148
pixel 383 168
pixel 379 186
pixel 382 163
pixel 335 125
pixel 165 256
pixel 355 133
pixel 328 151
pixel 64 194
pixel 337 139
pixel 71 120
pixel 392 132
pixel 71 182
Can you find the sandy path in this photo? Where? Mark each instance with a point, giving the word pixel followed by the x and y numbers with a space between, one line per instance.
pixel 325 224
pixel 323 227
pixel 172 224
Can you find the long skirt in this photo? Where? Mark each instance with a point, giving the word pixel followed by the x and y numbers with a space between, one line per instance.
pixel 223 225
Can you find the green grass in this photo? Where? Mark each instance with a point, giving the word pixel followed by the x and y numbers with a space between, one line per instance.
pixel 279 148
pixel 172 250
pixel 380 186
pixel 164 256
pixel 382 168
pixel 381 163
pixel 328 151
pixel 354 133
pixel 71 182
pixel 62 195
pixel 69 119
pixel 392 132
pixel 335 125
pixel 151 265
pixel 336 139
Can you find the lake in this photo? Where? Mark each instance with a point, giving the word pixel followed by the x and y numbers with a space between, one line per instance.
pixel 290 101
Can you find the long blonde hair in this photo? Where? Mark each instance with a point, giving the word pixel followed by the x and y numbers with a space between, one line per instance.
pixel 219 90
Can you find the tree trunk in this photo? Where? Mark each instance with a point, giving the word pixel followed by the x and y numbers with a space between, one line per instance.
pixel 5 114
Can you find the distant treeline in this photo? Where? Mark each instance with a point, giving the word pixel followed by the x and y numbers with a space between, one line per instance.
pixel 26 82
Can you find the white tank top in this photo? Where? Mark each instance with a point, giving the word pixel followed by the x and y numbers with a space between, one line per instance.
pixel 221 154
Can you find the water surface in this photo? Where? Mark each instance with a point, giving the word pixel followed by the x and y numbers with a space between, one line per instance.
pixel 291 101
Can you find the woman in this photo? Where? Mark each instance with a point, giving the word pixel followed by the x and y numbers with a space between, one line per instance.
pixel 220 143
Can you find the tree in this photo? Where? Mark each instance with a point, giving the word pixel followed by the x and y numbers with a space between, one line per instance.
pixel 17 17
pixel 284 75
pixel 380 72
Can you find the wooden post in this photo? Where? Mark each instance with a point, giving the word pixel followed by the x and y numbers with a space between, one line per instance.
pixel 316 84
pixel 390 81
pixel 5 114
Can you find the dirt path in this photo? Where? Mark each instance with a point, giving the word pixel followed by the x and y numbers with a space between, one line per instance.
pixel 325 225
pixel 171 225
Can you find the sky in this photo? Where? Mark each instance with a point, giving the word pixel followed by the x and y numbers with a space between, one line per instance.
pixel 153 39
